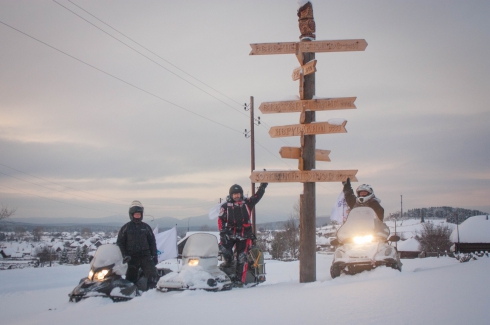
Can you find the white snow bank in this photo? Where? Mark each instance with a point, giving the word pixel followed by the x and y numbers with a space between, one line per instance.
pixel 427 291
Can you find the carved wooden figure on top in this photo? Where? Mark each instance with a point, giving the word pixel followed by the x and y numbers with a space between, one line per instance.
pixel 306 21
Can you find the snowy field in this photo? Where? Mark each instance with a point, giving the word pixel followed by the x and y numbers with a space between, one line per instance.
pixel 428 291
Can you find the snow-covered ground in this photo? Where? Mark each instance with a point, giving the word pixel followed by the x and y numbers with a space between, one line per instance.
pixel 428 291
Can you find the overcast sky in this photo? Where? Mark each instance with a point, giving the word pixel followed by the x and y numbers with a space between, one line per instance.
pixel 103 102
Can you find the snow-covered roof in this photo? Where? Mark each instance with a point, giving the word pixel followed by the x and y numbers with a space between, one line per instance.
pixel 321 240
pixel 409 245
pixel 473 230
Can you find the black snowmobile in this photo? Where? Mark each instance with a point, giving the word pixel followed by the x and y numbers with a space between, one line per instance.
pixel 105 277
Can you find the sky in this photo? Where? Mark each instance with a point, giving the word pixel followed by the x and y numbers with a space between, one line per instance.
pixel 427 291
pixel 105 102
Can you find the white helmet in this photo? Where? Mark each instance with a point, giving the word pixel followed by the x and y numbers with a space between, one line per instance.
pixel 366 188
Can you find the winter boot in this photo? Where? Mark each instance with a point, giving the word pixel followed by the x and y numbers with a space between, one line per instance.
pixel 238 284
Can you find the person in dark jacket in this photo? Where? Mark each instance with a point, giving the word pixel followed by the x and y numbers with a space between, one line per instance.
pixel 365 198
pixel 138 246
pixel 235 227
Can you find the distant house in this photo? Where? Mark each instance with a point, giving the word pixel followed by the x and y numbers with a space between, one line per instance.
pixel 58 247
pixel 472 235
pixel 5 253
pixel 409 248
pixel 75 244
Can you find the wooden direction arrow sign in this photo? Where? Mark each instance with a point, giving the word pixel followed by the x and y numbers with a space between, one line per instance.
pixel 323 104
pixel 304 70
pixel 295 153
pixel 303 176
pixel 273 48
pixel 333 46
pixel 306 129
pixel 313 46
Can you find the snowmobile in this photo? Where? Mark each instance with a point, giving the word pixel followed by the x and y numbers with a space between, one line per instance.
pixel 363 244
pixel 199 267
pixel 255 270
pixel 105 277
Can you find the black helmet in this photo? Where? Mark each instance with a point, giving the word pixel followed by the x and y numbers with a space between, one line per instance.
pixel 136 206
pixel 236 189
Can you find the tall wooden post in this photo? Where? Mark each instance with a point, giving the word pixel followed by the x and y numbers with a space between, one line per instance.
pixel 307 154
pixel 252 155
pixel 307 251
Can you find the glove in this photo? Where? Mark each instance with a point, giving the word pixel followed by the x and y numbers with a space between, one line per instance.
pixel 263 185
pixel 253 237
pixel 224 235
pixel 126 259
pixel 155 259
pixel 346 183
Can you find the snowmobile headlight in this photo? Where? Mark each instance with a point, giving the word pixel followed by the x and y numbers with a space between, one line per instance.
pixel 90 274
pixel 101 274
pixel 193 262
pixel 363 239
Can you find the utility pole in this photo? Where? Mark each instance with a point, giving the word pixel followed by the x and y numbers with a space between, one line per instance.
pixel 457 229
pixel 251 135
pixel 401 205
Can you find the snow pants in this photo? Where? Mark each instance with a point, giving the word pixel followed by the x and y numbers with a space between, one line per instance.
pixel 242 246
pixel 147 266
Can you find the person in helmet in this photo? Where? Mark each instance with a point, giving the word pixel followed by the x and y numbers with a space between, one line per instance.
pixel 365 197
pixel 235 227
pixel 138 246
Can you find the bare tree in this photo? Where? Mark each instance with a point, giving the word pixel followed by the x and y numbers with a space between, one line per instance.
pixel 5 212
pixel 47 254
pixel 37 233
pixel 86 232
pixel 20 232
pixel 278 246
pixel 261 241
pixel 291 237
pixel 434 238
pixel 287 241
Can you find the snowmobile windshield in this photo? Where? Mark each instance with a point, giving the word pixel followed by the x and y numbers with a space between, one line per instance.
pixel 362 221
pixel 201 245
pixel 106 255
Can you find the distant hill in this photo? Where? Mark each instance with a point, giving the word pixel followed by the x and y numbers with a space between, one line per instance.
pixel 115 222
pixel 453 215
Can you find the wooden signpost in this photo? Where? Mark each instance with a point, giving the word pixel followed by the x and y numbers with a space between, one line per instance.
pixel 307 155
pixel 308 47
pixel 304 70
pixel 295 153
pixel 306 129
pixel 323 104
pixel 303 176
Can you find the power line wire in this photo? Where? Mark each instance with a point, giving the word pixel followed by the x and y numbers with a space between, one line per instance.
pixel 130 84
pixel 149 57
pixel 153 53
pixel 117 78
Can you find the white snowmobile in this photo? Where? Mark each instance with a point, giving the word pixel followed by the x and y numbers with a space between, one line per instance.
pixel 363 244
pixel 199 267
pixel 104 278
